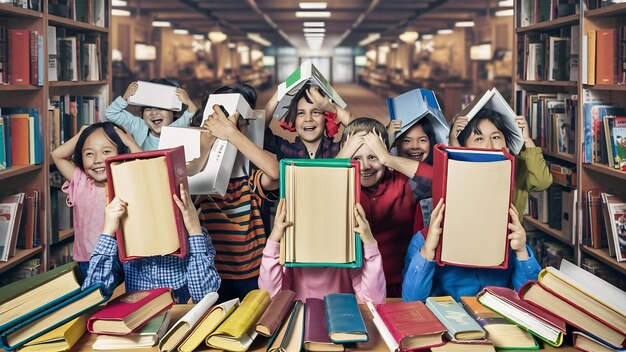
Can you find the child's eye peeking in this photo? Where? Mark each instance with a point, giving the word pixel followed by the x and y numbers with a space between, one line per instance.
pixel 497 137
pixel 406 141
pixel 373 157
pixel 478 139
pixel 424 140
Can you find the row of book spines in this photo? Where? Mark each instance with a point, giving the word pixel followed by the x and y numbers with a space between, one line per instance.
pixel 87 11
pixel 537 11
pixel 547 57
pixel 69 113
pixel 606 56
pixel 21 131
pixel 15 46
pixel 75 56
pixel 551 207
pixel 605 130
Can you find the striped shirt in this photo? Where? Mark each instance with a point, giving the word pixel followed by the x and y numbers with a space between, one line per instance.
pixel 236 227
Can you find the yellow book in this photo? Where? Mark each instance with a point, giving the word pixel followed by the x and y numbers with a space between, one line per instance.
pixel 237 332
pixel 59 339
pixel 208 323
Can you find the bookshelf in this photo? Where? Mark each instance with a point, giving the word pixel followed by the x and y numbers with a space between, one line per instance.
pixel 17 178
pixel 588 174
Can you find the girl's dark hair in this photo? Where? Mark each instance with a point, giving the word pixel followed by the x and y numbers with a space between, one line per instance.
pixel 429 131
pixel 246 90
pixel 166 82
pixel 109 130
pixel 492 116
pixel 364 124
pixel 292 113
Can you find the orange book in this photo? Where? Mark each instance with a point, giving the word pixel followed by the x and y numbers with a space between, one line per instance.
pixel 605 47
pixel 20 151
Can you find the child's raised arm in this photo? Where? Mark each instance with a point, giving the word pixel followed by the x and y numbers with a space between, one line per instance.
pixel 273 276
pixel 326 105
pixel 404 165
pixel 393 127
pixel 128 140
pixel 62 156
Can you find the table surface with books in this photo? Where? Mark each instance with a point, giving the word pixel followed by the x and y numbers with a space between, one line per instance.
pixel 375 342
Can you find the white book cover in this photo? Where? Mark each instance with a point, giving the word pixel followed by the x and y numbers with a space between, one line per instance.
pixel 175 335
pixel 52 40
pixel 412 106
pixel 392 345
pixel 307 72
pixel 156 95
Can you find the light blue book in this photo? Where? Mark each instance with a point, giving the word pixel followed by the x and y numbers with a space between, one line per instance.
pixel 414 105
pixel 461 326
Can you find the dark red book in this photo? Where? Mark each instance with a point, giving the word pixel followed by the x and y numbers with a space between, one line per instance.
pixel 28 231
pixel 316 336
pixel 130 311
pixel 19 56
pixel 34 58
pixel 412 325
pixel 153 224
pixel 606 56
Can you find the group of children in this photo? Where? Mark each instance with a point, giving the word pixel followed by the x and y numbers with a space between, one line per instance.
pixel 231 249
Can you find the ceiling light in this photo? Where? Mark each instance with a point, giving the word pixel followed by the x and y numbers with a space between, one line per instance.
pixel 464 24
pixel 160 24
pixel 427 36
pixel 372 37
pixel 314 30
pixel 444 31
pixel 257 38
pixel 394 45
pixel 314 35
pixel 505 3
pixel 314 40
pixel 181 31
pixel 232 45
pixel 313 5
pixel 314 24
pixel 409 36
pixel 119 3
pixel 118 12
pixel 312 14
pixel 217 37
pixel 198 36
pixel 504 13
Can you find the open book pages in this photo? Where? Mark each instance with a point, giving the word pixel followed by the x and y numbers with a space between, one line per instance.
pixel 156 95
pixel 414 105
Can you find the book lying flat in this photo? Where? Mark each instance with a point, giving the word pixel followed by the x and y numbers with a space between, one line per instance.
pixel 486 177
pixel 451 346
pixel 175 335
pixel 306 184
pixel 290 336
pixel 316 336
pixel 130 311
pixel 493 100
pixel 145 337
pixel 417 104
pixel 156 95
pixel 343 318
pixel 383 331
pixel 147 181
pixel 460 325
pixel 538 322
pixel 584 342
pixel 207 324
pixel 237 332
pixel 275 313
pixel 60 339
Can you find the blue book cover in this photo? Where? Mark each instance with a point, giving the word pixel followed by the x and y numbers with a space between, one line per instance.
pixel 414 105
pixel 344 319
pixel 38 130
pixel 460 325
pixel 7 139
pixel 3 154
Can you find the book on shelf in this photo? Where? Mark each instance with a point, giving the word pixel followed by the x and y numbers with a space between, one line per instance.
pixel 28 236
pixel 183 327
pixel 594 224
pixel 343 318
pixel 594 114
pixel 290 336
pixel 24 270
pixel 24 135
pixel 164 235
pixel 485 175
pixel 207 324
pixel 275 313
pixel 460 325
pixel 156 95
pixel 569 206
pixel 316 336
pixel 306 73
pixel 130 311
pixel 63 338
pixel 615 136
pixel 18 50
pixel 145 337
pixel 614 209
pixel 5 142
pixel 237 332
pixel 304 184
pixel 11 208
pixel 606 42
pixel 501 332
pixel 505 301
pixel 591 57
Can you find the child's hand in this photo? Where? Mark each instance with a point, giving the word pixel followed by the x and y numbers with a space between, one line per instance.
pixel 220 125
pixel 517 236
pixel 434 232
pixel 280 223
pixel 112 215
pixel 393 127
pixel 188 210
pixel 131 90
pixel 376 144
pixel 184 98
pixel 362 225
pixel 128 140
pixel 322 103
pixel 352 144
pixel 458 126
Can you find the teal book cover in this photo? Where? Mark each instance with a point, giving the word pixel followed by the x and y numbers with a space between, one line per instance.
pixel 460 325
pixel 318 179
pixel 343 318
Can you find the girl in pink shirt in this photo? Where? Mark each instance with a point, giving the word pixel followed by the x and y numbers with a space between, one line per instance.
pixel 367 282
pixel 81 161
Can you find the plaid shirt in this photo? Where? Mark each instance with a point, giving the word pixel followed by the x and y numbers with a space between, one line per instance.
pixel 192 276
pixel 297 150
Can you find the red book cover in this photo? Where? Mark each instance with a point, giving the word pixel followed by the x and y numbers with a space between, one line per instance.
pixel 315 328
pixel 34 58
pixel 20 152
pixel 123 307
pixel 30 215
pixel 443 155
pixel 148 201
pixel 579 317
pixel 606 56
pixel 406 320
pixel 19 57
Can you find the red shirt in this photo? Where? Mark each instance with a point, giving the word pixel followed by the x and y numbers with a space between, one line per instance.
pixel 390 208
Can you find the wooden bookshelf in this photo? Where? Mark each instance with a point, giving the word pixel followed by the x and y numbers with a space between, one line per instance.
pixel 613 10
pixel 543 227
pixel 20 256
pixel 6 9
pixel 603 256
pixel 566 157
pixel 63 236
pixel 607 170
pixel 17 87
pixel 18 170
pixel 68 23
pixel 571 84
pixel 77 83
pixel 616 87
pixel 559 22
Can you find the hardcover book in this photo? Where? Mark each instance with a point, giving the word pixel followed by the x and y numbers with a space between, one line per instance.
pixel 146 181
pixel 145 337
pixel 316 336
pixel 344 319
pixel 207 324
pixel 486 177
pixel 605 60
pixel 460 325
pixel 415 105
pixel 59 339
pixel 305 184
pixel 130 311
pixel 584 342
pixel 290 336
pixel 275 313
pixel 18 53
pixel 156 95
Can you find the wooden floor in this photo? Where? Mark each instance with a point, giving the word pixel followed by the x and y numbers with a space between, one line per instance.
pixel 360 101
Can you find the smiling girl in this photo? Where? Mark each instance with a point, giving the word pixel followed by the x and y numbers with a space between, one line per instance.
pixel 81 161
